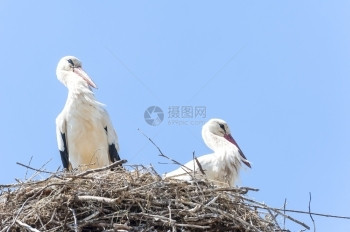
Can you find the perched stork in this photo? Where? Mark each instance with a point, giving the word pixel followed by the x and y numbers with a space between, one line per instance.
pixel 85 134
pixel 222 166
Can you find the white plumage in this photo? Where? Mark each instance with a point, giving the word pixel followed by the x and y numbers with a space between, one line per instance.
pixel 85 134
pixel 222 166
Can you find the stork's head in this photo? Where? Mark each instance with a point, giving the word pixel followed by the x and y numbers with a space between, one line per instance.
pixel 219 127
pixel 69 71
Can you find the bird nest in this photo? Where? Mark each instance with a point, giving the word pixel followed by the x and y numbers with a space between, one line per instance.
pixel 129 200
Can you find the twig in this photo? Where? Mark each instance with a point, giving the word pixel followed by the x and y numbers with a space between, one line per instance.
pixel 290 218
pixel 162 154
pixel 155 172
pixel 241 190
pixel 212 200
pixel 317 214
pixel 41 222
pixel 144 186
pixel 98 199
pixel 313 221
pixel 195 209
pixel 284 211
pixel 194 226
pixel 263 206
pixel 52 216
pixel 75 220
pixel 26 183
pixel 194 165
pixel 5 228
pixel 40 170
pixel 171 221
pixel 156 217
pixel 121 227
pixel 199 165
pixel 117 163
pixel 35 169
pixel 25 177
pixel 26 226
pixel 274 219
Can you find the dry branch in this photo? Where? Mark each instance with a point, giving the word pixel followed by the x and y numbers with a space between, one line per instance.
pixel 28 227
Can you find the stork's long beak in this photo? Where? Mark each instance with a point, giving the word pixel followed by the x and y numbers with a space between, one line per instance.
pixel 229 138
pixel 86 77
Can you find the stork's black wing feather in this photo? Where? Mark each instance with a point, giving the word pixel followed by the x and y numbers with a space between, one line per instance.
pixel 64 153
pixel 113 153
pixel 112 150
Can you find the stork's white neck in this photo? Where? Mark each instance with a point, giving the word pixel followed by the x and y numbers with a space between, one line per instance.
pixel 80 88
pixel 216 142
pixel 81 95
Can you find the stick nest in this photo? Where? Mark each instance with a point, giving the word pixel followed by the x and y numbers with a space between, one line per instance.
pixel 128 200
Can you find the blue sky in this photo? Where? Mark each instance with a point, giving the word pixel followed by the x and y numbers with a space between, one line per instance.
pixel 277 71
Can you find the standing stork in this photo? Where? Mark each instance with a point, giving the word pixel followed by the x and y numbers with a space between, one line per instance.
pixel 85 134
pixel 223 165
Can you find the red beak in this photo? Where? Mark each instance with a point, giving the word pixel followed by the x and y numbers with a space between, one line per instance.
pixel 229 138
pixel 86 77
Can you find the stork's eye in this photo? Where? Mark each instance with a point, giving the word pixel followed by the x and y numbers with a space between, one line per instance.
pixel 222 126
pixel 70 61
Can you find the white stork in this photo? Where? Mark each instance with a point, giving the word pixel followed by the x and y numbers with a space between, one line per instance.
pixel 85 134
pixel 222 166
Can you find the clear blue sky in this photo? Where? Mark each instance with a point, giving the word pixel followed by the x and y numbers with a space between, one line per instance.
pixel 277 71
